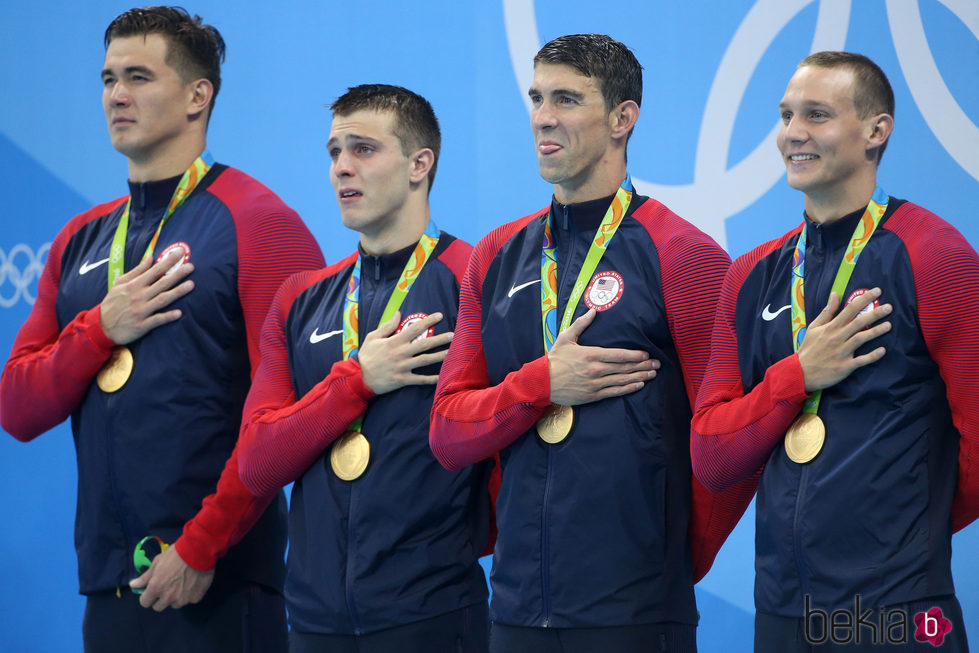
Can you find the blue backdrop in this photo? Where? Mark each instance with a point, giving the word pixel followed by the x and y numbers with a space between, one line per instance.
pixel 714 73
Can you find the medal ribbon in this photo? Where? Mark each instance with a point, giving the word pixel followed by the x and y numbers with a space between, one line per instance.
pixel 548 263
pixel 861 236
pixel 185 187
pixel 351 322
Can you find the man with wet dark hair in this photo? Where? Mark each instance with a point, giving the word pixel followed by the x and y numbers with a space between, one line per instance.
pixel 602 531
pixel 194 49
pixel 843 367
pixel 414 121
pixel 613 66
pixel 340 404
pixel 145 332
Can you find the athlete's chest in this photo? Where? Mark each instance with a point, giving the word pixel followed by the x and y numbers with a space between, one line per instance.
pixel 315 332
pixel 201 227
pixel 763 314
pixel 624 289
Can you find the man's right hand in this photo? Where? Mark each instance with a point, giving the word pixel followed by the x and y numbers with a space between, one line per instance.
pixel 581 375
pixel 387 359
pixel 134 305
pixel 826 354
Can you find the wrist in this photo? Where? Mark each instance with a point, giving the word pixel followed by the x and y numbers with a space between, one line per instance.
pixel 96 329
pixel 193 557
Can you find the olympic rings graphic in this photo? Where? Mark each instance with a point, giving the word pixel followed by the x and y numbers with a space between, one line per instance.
pixel 749 179
pixel 21 278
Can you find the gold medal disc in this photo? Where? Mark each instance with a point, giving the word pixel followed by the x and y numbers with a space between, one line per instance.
pixel 116 370
pixel 804 439
pixel 349 455
pixel 556 424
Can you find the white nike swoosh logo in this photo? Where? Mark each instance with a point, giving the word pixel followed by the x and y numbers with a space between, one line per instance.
pixel 768 316
pixel 515 289
pixel 88 267
pixel 317 337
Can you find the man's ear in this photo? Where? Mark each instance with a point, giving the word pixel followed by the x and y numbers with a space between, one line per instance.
pixel 421 164
pixel 623 118
pixel 880 128
pixel 201 94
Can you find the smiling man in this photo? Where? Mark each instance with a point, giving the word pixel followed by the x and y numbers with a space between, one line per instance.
pixel 145 332
pixel 384 542
pixel 864 419
pixel 602 531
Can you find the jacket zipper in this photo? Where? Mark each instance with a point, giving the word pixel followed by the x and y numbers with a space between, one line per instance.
pixel 545 538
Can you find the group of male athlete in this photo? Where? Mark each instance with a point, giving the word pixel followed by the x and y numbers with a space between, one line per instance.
pixel 593 394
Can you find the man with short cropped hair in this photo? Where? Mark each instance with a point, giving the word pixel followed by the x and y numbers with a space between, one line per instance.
pixel 602 532
pixel 145 332
pixel 384 542
pixel 843 366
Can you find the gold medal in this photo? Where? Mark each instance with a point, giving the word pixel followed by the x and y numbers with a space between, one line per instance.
pixel 556 424
pixel 116 370
pixel 804 439
pixel 350 455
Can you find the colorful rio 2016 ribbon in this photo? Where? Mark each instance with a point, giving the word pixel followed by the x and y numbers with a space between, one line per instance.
pixel 119 367
pixel 548 263
pixel 351 321
pixel 558 421
pixel 191 178
pixel 861 236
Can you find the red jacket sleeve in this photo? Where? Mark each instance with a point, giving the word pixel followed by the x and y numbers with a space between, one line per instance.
pixel 281 437
pixel 50 370
pixel 733 433
pixel 472 420
pixel 693 268
pixel 946 280
pixel 273 243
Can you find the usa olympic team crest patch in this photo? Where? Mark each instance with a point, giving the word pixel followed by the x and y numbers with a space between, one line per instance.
pixel 604 290
pixel 414 317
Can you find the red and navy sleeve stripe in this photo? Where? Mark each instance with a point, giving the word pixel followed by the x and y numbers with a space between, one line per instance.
pixel 693 268
pixel 456 258
pixel 280 436
pixel 946 281
pixel 273 243
pixel 470 420
pixel 733 433
pixel 50 370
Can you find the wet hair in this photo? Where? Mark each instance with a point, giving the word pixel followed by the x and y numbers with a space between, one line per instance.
pixel 610 63
pixel 194 50
pixel 872 92
pixel 415 123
